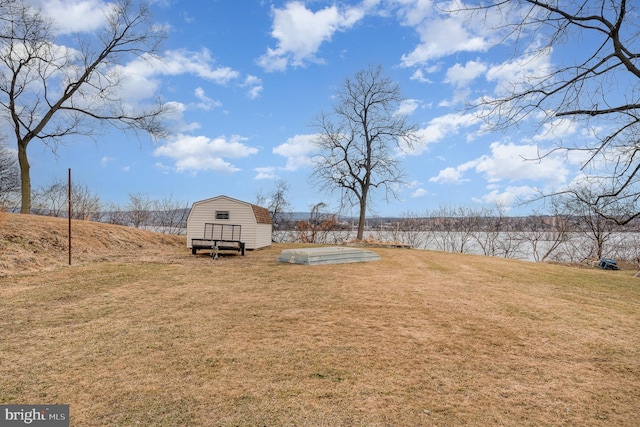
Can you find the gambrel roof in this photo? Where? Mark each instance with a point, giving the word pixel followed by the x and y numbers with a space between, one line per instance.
pixel 262 214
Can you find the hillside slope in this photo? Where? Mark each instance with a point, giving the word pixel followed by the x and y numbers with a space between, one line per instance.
pixel 32 242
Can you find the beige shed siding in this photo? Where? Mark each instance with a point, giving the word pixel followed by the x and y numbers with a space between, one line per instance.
pixel 254 235
pixel 263 235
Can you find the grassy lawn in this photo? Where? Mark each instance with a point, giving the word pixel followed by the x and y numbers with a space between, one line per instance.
pixel 158 337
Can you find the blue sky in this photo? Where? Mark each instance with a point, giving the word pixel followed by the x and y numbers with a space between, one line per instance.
pixel 247 78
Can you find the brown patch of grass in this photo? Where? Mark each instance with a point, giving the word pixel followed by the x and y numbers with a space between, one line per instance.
pixel 34 243
pixel 418 338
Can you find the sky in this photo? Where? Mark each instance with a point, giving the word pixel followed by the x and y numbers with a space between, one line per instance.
pixel 247 78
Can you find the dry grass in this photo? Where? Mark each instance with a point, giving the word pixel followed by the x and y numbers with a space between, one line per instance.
pixel 155 336
pixel 37 243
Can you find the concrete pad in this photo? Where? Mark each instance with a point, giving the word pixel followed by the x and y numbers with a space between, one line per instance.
pixel 326 255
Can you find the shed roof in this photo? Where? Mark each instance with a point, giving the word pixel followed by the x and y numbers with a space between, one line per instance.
pixel 262 214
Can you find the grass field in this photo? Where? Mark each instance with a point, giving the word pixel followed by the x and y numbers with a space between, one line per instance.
pixel 138 332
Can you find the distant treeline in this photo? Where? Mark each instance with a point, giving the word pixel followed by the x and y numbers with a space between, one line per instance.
pixel 571 230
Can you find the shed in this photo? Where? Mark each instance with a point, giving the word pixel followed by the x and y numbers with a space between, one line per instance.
pixel 248 223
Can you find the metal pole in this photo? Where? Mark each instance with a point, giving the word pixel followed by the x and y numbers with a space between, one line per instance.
pixel 69 197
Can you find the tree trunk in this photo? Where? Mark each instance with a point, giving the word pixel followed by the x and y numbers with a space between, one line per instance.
pixel 25 178
pixel 599 247
pixel 362 219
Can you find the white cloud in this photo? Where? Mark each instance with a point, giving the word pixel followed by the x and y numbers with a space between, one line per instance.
pixel 200 64
pixel 513 162
pixel 72 16
pixel 163 168
pixel 407 107
pixel 509 162
pixel 510 196
pixel 439 128
pixel 175 116
pixel 105 160
pixel 420 192
pixel 141 78
pixel 300 32
pixel 450 175
pixel 265 173
pixel 445 35
pixel 450 27
pixel 557 130
pixel 419 76
pixel 511 76
pixel 414 12
pixel 461 75
pixel 298 151
pixel 205 103
pixel 195 153
pixel 253 85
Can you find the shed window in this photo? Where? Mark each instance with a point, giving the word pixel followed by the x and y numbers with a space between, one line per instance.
pixel 222 214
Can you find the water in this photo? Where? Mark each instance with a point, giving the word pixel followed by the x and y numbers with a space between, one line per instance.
pixel 530 246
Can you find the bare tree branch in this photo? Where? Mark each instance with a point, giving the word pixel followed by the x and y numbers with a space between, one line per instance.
pixel 50 92
pixel 598 89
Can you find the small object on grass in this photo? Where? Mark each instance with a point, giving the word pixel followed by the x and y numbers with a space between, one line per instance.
pixel 608 264
pixel 326 255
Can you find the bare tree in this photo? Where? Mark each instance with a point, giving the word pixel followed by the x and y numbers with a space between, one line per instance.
pixel 583 213
pixel 599 88
pixel 115 214
pixel 453 228
pixel 9 177
pixel 278 205
pixel 488 230
pixel 53 200
pixel 317 227
pixel 544 234
pixel 85 205
pixel 138 210
pixel 356 142
pixel 410 229
pixel 169 215
pixel 50 93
